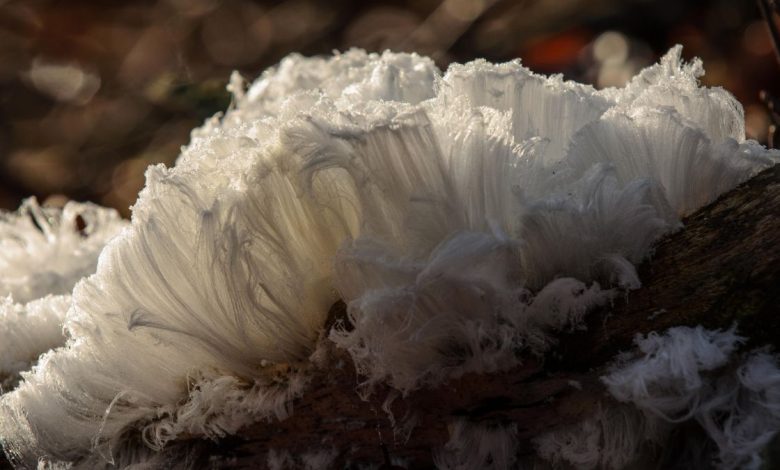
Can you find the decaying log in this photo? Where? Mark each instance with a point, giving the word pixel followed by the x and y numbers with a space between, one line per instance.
pixel 724 267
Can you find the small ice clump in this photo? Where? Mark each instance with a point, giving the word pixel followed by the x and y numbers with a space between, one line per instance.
pixel 44 251
pixel 686 389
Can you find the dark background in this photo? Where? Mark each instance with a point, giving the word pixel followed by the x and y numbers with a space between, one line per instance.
pixel 93 92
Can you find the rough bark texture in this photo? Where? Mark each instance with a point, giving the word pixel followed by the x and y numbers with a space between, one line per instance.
pixel 724 267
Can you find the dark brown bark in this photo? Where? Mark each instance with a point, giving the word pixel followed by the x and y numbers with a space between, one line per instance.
pixel 724 267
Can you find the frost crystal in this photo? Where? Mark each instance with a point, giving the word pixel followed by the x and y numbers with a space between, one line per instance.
pixel 462 217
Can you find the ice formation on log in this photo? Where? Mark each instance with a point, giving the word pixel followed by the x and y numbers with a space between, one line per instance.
pixel 463 217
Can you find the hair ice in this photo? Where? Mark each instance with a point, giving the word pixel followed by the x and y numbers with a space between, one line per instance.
pixel 462 217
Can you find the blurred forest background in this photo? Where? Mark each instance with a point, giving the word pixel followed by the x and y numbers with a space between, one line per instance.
pixel 92 92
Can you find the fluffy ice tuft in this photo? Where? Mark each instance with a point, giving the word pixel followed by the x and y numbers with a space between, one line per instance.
pixel 684 389
pixel 462 217
pixel 44 251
